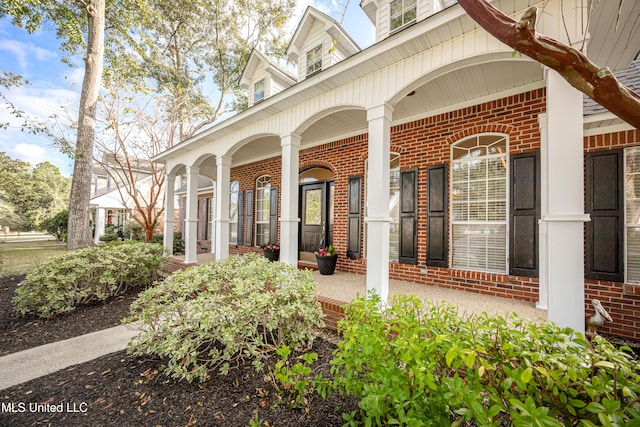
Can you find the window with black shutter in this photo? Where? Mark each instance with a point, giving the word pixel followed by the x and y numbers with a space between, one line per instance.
pixel 408 217
pixel 437 235
pixel 605 205
pixel 525 213
pixel 273 215
pixel 248 236
pixel 354 220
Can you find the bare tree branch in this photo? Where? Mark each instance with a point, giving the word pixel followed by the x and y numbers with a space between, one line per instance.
pixel 598 83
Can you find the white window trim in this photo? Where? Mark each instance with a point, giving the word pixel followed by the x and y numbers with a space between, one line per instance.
pixel 255 92
pixel 627 224
pixel 401 13
pixel 317 59
pixel 234 188
pixel 257 221
pixel 507 204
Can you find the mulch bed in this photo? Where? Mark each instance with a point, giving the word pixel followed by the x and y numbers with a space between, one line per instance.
pixel 123 390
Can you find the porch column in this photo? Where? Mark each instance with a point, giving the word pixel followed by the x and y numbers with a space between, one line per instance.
pixel 289 220
pixel 213 225
pixel 223 173
pixel 191 223
pixel 377 219
pixel 99 225
pixel 563 217
pixel 169 193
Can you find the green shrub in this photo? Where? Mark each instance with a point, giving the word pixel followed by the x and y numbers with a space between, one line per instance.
pixel 178 243
pixel 209 316
pixel 111 234
pixel 417 364
pixel 133 230
pixel 86 275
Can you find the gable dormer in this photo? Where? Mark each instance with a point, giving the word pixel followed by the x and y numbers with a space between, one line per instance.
pixel 318 43
pixel 391 16
pixel 263 78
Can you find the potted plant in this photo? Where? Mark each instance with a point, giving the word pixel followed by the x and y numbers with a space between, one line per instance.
pixel 327 259
pixel 271 251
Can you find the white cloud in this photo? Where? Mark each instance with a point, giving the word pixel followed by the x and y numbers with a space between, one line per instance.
pixel 22 52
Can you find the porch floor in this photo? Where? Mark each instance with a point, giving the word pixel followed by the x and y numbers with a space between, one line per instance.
pixel 343 286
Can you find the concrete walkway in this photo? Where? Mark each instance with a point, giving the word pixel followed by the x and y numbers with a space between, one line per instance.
pixel 23 366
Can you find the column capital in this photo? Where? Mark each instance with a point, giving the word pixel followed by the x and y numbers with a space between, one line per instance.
pixel 290 139
pixel 193 170
pixel 381 111
pixel 223 160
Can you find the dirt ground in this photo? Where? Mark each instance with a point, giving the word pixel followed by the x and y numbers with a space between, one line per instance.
pixel 122 390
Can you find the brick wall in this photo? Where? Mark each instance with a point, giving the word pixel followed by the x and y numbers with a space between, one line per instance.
pixel 622 301
pixel 427 142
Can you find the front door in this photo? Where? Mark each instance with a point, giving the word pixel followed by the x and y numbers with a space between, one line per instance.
pixel 316 201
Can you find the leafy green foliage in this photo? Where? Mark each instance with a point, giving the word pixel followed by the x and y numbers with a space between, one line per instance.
pixel 418 364
pixel 210 316
pixel 294 379
pixel 86 275
pixel 57 225
pixel 178 243
pixel 30 194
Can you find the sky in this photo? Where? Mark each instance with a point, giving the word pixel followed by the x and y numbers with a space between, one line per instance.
pixel 36 58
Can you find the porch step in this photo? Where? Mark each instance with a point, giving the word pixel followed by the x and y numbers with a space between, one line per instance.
pixel 307 265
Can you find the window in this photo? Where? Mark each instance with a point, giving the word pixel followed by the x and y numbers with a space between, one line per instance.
pixel 402 13
pixel 210 218
pixel 263 209
pixel 479 203
pixel 234 188
pixel 314 60
pixel 632 214
pixel 258 91
pixel 394 205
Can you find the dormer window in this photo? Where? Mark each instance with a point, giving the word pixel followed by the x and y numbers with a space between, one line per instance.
pixel 314 60
pixel 258 91
pixel 403 12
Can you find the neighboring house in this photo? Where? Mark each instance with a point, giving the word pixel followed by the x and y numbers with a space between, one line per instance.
pixel 110 205
pixel 435 156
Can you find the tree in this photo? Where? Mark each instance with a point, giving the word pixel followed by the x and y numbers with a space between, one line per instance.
pixel 194 51
pixel 134 132
pixel 30 195
pixel 72 20
pixel 598 83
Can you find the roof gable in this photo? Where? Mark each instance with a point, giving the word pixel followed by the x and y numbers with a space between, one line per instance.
pixel 259 61
pixel 312 16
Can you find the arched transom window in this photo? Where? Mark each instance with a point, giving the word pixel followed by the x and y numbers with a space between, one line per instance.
pixel 479 203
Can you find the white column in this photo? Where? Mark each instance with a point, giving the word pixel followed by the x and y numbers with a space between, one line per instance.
pixel 289 220
pixel 191 223
pixel 563 195
pixel 223 173
pixel 377 220
pixel 99 225
pixel 169 208
pixel 213 218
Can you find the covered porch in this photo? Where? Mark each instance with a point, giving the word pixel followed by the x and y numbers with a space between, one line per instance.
pixel 341 287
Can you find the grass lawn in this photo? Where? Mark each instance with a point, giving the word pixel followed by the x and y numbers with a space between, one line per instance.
pixel 19 257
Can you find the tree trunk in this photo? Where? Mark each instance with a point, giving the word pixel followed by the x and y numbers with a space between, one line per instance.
pixel 598 83
pixel 79 230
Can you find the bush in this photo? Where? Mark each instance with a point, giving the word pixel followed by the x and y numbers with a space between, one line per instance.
pixel 133 230
pixel 417 364
pixel 86 275
pixel 210 316
pixel 178 243
pixel 57 225
pixel 111 234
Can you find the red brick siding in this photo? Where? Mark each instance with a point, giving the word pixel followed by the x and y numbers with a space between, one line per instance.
pixel 622 301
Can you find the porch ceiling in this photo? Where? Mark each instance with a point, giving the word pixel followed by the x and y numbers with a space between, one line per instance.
pixel 468 86
pixel 615 37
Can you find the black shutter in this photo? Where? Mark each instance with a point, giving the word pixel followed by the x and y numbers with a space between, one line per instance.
pixel 605 205
pixel 273 215
pixel 525 212
pixel 248 235
pixel 240 237
pixel 354 217
pixel 437 228
pixel 408 217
